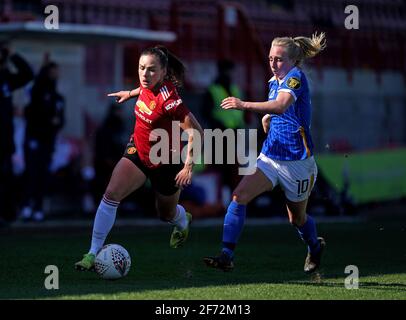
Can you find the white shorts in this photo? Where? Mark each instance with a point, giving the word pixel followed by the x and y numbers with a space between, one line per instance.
pixel 296 178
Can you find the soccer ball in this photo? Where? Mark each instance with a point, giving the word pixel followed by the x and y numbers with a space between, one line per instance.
pixel 112 262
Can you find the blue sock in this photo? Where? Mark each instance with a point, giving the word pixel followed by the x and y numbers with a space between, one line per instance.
pixel 308 234
pixel 233 224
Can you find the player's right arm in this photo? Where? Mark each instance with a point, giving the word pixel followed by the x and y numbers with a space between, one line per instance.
pixel 278 106
pixel 123 96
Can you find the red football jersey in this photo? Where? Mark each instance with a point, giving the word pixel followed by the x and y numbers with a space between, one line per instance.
pixel 156 110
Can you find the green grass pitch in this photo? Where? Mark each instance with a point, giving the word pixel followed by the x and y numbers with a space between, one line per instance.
pixel 269 263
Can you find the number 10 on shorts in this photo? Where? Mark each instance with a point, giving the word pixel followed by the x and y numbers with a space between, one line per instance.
pixel 302 186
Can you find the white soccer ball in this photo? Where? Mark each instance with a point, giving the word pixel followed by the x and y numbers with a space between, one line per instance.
pixel 112 262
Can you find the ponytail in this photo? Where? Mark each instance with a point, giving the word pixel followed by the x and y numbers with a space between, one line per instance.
pixel 301 48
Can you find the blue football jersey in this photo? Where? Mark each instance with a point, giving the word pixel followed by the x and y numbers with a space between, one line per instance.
pixel 289 134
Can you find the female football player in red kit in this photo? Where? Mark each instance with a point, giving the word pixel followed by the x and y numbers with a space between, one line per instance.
pixel 157 107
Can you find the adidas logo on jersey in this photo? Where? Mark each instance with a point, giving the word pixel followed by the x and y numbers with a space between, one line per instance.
pixel 164 92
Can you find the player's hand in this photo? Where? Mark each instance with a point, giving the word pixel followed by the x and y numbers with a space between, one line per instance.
pixel 121 96
pixel 232 103
pixel 184 177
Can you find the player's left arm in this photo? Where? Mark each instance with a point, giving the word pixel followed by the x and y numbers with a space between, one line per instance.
pixel 194 131
pixel 278 106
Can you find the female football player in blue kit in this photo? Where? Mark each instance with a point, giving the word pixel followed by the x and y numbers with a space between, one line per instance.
pixel 286 157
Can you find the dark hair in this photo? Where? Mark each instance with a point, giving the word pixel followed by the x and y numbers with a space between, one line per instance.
pixel 43 78
pixel 44 71
pixel 175 67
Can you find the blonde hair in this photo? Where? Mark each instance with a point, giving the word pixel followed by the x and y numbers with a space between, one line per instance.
pixel 301 48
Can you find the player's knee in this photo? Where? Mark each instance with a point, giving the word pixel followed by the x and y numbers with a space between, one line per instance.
pixel 297 221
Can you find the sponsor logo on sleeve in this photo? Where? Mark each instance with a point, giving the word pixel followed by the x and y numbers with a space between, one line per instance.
pixel 173 104
pixel 293 83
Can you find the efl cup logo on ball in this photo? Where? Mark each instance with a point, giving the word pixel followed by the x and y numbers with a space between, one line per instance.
pixel 112 262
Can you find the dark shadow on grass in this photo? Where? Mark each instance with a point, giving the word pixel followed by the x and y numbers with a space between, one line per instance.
pixel 396 286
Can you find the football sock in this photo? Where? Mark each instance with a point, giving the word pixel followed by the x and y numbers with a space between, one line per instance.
pixel 308 234
pixel 180 219
pixel 233 225
pixel 103 222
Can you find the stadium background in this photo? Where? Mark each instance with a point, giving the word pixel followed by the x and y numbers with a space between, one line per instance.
pixel 359 118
